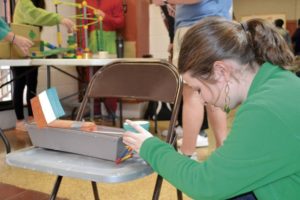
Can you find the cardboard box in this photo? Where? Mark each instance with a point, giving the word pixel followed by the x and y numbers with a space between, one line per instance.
pixel 5 50
pixel 30 32
pixel 105 144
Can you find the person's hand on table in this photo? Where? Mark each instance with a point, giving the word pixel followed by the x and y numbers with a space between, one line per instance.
pixel 22 43
pixel 135 140
pixel 69 24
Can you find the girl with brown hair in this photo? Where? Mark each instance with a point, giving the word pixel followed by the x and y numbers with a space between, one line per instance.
pixel 231 64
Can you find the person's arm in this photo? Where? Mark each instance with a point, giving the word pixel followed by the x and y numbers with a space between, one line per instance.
pixel 4 29
pixel 40 17
pixel 21 42
pixel 115 19
pixel 162 2
pixel 248 160
pixel 36 16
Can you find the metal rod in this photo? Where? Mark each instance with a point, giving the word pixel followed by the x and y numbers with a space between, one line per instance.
pixel 157 188
pixel 5 141
pixel 5 10
pixel 59 36
pixel 92 100
pixel 95 190
pixel 48 76
pixel 55 188
pixel 85 27
pixel 121 112
pixel 18 77
pixel 68 74
pixel 179 195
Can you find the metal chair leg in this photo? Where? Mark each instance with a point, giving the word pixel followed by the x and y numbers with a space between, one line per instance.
pixel 95 190
pixel 5 141
pixel 121 112
pixel 157 188
pixel 155 119
pixel 56 188
pixel 179 195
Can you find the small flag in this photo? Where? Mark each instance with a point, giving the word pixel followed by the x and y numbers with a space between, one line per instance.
pixel 46 107
pixel 38 115
pixel 55 103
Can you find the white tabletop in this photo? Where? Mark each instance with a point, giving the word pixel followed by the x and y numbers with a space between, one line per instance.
pixel 15 62
pixel 69 62
pixel 72 62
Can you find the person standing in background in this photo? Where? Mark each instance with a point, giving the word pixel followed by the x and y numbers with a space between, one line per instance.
pixel 113 19
pixel 285 34
pixel 21 42
pixel 31 12
pixel 169 21
pixel 296 39
pixel 188 13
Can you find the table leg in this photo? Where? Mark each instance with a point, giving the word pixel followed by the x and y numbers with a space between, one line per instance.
pixel 48 76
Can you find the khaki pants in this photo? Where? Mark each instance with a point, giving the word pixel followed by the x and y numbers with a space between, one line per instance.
pixel 179 34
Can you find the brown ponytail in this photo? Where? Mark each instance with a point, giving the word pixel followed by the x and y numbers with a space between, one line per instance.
pixel 215 38
pixel 268 44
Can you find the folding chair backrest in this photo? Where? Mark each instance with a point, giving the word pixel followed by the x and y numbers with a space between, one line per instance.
pixel 144 79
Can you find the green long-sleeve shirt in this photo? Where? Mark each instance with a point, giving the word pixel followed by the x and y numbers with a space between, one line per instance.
pixel 261 153
pixel 27 13
pixel 4 29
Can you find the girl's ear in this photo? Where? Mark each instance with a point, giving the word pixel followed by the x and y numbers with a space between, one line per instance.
pixel 221 71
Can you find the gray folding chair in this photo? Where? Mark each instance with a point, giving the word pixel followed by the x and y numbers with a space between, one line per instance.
pixel 144 79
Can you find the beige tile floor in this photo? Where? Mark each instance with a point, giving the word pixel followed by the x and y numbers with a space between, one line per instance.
pixel 75 189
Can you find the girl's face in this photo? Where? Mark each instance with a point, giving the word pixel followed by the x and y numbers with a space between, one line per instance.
pixel 209 93
pixel 230 86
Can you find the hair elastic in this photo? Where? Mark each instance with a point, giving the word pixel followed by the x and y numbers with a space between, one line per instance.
pixel 244 26
pixel 13 39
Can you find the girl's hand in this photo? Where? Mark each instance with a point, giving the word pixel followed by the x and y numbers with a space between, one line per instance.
pixel 136 140
pixel 69 24
pixel 23 44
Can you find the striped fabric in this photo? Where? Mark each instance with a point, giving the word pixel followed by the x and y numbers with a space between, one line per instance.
pixel 46 107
